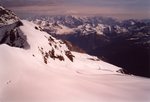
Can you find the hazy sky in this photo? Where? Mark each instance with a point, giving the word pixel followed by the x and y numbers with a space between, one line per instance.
pixel 114 8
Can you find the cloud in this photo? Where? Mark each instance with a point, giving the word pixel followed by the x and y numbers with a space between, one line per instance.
pixel 15 3
pixel 79 2
pixel 117 8
pixel 78 10
pixel 72 12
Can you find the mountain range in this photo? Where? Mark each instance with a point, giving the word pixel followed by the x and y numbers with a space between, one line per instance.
pixel 123 43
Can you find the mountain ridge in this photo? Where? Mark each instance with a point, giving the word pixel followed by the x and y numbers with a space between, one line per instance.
pixel 105 38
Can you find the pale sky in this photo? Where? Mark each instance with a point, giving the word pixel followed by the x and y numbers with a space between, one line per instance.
pixel 114 8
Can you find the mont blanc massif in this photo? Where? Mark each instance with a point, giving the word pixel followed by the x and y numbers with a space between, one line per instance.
pixel 73 59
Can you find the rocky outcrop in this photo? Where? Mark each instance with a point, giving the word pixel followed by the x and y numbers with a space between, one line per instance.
pixel 10 33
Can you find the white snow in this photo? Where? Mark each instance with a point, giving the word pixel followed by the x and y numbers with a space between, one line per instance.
pixel 61 29
pixel 120 29
pixel 26 78
pixel 55 28
pixel 100 29
pixel 64 30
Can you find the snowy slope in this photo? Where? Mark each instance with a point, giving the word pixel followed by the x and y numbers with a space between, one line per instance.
pixel 25 77
pixel 122 43
pixel 39 40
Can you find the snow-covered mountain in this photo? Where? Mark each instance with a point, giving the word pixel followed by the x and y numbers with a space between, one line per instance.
pixel 105 38
pixel 64 25
pixel 36 67
pixel 72 25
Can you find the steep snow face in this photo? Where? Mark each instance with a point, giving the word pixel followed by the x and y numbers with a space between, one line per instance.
pixel 46 45
pixel 26 77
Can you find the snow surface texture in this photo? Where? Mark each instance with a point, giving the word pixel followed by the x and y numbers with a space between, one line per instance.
pixel 24 77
